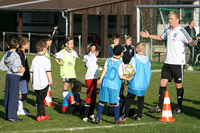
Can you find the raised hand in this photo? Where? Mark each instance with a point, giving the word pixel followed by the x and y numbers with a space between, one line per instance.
pixel 144 34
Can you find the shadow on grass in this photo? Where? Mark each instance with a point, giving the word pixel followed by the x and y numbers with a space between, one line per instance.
pixel 187 110
pixel 31 101
pixel 152 105
pixel 192 101
pixel 32 117
pixel 152 115
pixel 111 122
pixel 1 114
pixel 2 102
pixel 190 111
pixel 58 105
pixel 30 92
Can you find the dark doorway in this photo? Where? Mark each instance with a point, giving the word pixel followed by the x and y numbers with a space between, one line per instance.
pixel 94 29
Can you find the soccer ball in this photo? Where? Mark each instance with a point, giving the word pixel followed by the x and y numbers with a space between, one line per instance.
pixel 190 68
pixel 129 70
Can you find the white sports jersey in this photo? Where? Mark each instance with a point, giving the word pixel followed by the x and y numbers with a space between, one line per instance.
pixel 39 67
pixel 91 65
pixel 121 66
pixel 176 40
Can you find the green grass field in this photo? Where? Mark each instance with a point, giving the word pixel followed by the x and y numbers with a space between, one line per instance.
pixel 188 121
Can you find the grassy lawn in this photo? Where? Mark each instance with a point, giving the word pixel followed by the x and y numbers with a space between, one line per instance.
pixel 188 121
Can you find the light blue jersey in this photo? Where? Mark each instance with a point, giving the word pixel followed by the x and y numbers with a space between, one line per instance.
pixel 111 84
pixel 139 84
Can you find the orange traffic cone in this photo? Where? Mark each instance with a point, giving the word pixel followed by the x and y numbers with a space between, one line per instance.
pixel 166 110
pixel 48 100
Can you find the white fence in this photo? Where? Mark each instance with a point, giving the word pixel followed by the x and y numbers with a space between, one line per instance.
pixel 35 37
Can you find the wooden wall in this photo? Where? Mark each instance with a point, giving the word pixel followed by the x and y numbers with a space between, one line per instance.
pixel 127 7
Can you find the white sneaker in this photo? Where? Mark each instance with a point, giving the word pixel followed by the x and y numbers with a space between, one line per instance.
pixel 23 112
pixel 93 116
pixel 85 119
pixel 20 112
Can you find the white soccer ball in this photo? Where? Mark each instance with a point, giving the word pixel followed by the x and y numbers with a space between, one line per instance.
pixel 190 68
pixel 129 70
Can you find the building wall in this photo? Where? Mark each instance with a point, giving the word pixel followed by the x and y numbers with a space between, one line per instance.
pixel 119 9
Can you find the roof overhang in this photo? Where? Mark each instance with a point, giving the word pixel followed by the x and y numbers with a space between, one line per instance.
pixel 52 5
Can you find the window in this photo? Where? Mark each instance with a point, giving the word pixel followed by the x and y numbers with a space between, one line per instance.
pixel 125 25
pixel 40 17
pixel 112 25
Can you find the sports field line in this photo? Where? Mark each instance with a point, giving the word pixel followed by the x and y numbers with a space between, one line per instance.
pixel 91 127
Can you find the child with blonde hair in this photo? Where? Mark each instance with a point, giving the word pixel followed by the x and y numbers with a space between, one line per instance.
pixel 41 79
pixel 140 82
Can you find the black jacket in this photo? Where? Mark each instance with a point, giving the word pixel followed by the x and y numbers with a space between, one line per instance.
pixel 26 75
pixel 187 28
pixel 129 53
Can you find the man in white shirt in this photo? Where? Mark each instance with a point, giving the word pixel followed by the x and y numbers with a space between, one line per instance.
pixel 173 67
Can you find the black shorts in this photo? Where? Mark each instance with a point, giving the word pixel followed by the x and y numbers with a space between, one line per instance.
pixel 69 80
pixel 170 71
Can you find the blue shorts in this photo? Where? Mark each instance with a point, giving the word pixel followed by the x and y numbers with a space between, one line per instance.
pixel 109 95
pixel 23 87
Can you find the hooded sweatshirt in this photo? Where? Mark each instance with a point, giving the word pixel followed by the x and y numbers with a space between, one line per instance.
pixel 13 63
pixel 140 82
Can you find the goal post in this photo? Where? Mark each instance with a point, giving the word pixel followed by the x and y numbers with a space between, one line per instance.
pixel 154 19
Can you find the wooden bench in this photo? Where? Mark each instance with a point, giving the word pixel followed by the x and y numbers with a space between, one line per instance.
pixel 158 51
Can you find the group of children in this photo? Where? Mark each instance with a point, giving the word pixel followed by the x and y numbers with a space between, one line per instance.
pixel 18 76
pixel 111 79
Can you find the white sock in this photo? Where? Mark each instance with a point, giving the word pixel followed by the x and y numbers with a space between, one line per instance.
pixel 20 106
pixel 65 92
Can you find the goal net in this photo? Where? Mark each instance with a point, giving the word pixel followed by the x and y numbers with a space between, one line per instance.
pixel 155 21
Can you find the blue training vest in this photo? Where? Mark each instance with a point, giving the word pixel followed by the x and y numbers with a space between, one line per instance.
pixel 111 84
pixel 139 84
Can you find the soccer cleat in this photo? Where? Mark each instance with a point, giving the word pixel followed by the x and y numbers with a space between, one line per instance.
pixel 97 120
pixel 85 119
pixel 15 120
pixel 19 112
pixel 92 118
pixel 119 122
pixel 138 118
pixel 46 117
pixel 39 118
pixel 123 118
pixel 155 110
pixel 177 110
